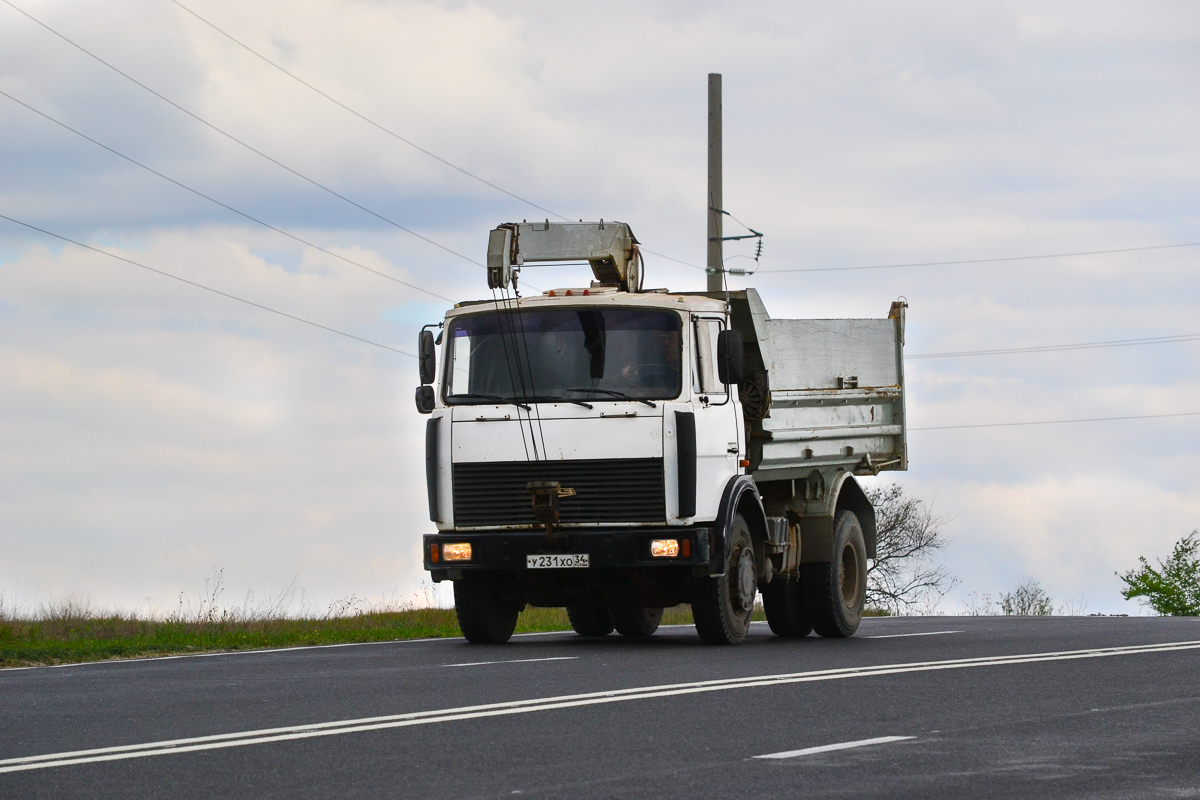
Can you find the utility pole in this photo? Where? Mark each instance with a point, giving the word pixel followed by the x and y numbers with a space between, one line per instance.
pixel 716 260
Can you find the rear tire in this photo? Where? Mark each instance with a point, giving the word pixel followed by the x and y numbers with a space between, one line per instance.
pixel 836 592
pixel 484 614
pixel 590 620
pixel 636 621
pixel 783 600
pixel 722 606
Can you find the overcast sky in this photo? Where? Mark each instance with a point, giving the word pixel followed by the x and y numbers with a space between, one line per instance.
pixel 151 431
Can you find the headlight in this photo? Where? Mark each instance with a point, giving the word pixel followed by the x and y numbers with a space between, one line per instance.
pixel 456 552
pixel 664 548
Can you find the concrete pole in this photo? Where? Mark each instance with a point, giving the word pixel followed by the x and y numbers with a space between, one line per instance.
pixel 716 267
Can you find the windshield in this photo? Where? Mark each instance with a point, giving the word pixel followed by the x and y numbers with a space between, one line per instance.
pixel 571 354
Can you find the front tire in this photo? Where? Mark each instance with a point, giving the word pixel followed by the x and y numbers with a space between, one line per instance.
pixel 590 620
pixel 836 592
pixel 636 621
pixel 722 606
pixel 484 614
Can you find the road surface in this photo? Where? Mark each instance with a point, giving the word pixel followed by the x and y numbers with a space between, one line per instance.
pixel 929 707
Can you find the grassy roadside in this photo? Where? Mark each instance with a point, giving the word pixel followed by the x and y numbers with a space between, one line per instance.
pixel 65 639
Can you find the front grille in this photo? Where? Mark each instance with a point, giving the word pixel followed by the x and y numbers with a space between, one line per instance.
pixel 607 490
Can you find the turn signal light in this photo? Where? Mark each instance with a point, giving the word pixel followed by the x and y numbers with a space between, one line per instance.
pixel 434 553
pixel 664 548
pixel 457 552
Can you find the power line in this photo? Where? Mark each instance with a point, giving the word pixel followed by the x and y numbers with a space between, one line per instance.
pixel 233 138
pixel 428 240
pixel 982 260
pixel 669 258
pixel 1187 337
pixel 365 118
pixel 395 135
pixel 198 193
pixel 1054 421
pixel 207 288
pixel 949 263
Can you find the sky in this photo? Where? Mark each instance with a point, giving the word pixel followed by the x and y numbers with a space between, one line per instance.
pixel 153 433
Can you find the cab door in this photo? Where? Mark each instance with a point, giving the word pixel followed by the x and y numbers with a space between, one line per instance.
pixel 718 432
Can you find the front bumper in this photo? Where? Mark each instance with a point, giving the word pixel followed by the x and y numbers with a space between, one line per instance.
pixel 607 548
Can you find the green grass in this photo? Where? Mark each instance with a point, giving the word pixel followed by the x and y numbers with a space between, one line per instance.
pixel 79 637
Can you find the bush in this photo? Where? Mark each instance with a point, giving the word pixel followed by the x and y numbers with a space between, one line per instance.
pixel 1029 599
pixel 1174 588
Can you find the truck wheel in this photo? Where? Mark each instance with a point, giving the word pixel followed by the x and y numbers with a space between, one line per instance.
pixel 835 593
pixel 722 606
pixel 590 620
pixel 485 616
pixel 783 600
pixel 636 621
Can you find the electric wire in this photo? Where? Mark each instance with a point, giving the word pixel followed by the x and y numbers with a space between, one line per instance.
pixel 645 249
pixel 978 260
pixel 536 406
pixel 1052 348
pixel 505 191
pixel 508 363
pixel 365 118
pixel 238 141
pixel 197 285
pixel 1118 343
pixel 949 263
pixel 392 133
pixel 1054 421
pixel 226 206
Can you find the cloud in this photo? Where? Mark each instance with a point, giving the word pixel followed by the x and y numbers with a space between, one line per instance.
pixel 152 431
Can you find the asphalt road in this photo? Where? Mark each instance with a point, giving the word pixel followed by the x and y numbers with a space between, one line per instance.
pixel 911 707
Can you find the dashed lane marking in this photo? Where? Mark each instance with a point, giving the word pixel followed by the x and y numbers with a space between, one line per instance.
pixel 513 661
pixel 902 635
pixel 829 748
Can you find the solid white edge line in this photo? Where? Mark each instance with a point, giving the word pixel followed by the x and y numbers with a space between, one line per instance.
pixel 514 661
pixel 902 635
pixel 829 748
pixel 263 736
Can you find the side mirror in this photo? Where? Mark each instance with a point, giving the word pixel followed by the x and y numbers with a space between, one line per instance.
pixel 729 357
pixel 427 357
pixel 425 398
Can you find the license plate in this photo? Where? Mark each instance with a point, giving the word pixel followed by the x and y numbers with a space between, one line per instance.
pixel 556 561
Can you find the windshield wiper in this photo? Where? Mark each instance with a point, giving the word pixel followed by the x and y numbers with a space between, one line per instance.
pixel 495 398
pixel 615 393
pixel 549 398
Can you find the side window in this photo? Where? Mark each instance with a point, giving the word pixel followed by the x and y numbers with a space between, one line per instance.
pixel 706 356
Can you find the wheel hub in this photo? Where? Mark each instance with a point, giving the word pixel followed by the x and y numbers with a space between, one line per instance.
pixel 746 581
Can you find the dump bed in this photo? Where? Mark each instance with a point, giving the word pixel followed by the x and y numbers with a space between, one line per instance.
pixel 822 393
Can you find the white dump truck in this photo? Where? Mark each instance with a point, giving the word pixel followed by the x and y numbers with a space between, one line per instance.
pixel 617 451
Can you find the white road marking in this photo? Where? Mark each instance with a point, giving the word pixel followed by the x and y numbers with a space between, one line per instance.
pixel 294 732
pixel 829 748
pixel 513 661
pixel 902 635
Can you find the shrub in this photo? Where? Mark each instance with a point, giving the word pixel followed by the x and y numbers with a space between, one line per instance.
pixel 1029 599
pixel 1174 588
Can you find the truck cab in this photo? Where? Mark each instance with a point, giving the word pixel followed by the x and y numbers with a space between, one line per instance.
pixel 588 447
